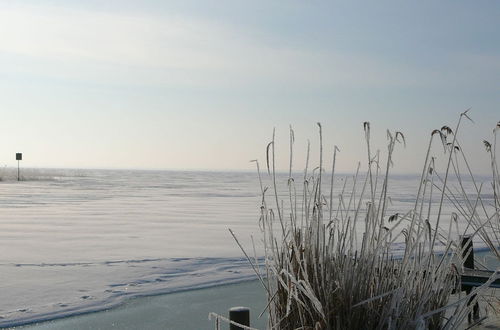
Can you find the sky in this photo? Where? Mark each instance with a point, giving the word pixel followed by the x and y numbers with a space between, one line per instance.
pixel 202 84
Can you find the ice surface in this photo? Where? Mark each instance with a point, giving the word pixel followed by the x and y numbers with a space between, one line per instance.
pixel 74 241
pixel 188 309
pixel 183 310
pixel 82 240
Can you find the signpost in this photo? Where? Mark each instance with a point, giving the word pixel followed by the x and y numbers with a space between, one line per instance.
pixel 19 157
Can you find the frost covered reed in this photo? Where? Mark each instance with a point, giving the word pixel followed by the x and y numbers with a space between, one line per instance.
pixel 329 261
pixel 483 215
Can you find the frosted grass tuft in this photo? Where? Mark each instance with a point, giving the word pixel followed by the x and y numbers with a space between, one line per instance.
pixel 321 272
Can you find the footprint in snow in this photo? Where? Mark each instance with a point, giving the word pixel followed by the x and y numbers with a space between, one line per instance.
pixel 24 310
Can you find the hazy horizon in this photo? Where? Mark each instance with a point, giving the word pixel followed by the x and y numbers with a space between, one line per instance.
pixel 200 86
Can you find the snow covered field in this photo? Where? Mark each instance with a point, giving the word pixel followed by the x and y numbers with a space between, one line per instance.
pixel 73 241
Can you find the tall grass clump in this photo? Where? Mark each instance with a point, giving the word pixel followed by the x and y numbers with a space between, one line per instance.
pixel 329 259
pixel 482 210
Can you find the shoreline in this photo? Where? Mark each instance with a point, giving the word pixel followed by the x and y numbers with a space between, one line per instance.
pixel 165 310
pixel 119 301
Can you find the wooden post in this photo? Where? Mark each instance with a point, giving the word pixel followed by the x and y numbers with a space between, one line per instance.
pixel 239 315
pixel 468 255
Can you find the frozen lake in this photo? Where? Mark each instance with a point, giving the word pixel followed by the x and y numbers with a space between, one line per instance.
pixel 74 241
pixel 182 310
pixel 189 309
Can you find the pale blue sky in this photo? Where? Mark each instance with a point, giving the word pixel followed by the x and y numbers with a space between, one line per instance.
pixel 200 85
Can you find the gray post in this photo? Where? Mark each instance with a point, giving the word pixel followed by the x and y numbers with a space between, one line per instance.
pixel 239 315
pixel 19 156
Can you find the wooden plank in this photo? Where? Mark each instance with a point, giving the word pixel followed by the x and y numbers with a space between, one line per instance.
pixel 475 277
